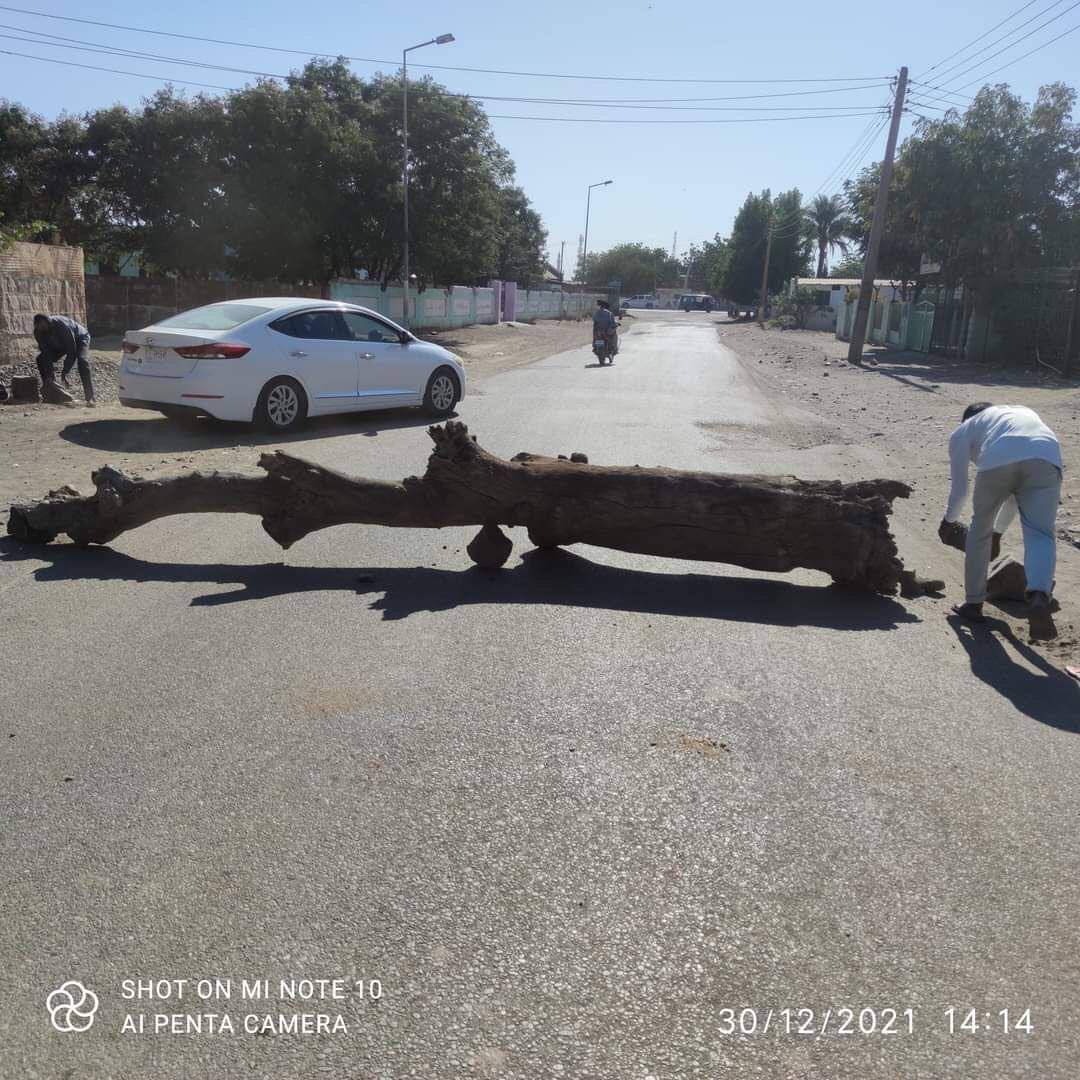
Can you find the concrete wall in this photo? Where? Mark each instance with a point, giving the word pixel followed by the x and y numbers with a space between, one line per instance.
pixel 460 305
pixel 431 309
pixel 115 304
pixel 37 277
pixel 890 323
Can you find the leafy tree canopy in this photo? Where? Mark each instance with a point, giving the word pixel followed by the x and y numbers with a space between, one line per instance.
pixel 791 246
pixel 706 264
pixel 983 193
pixel 299 181
pixel 638 267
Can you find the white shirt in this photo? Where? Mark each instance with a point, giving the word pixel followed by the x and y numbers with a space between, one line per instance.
pixel 1000 435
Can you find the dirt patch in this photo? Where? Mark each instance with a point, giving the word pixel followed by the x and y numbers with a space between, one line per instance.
pixel 487 350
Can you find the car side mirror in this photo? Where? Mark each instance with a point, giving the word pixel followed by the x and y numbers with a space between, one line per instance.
pixel 405 338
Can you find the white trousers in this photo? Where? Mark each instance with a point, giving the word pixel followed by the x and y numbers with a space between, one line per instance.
pixel 1033 488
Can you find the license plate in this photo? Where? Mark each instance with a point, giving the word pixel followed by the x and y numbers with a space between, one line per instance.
pixel 152 357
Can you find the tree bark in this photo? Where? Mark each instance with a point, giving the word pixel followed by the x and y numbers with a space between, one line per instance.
pixel 771 523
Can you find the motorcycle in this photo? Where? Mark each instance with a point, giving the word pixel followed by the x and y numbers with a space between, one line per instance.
pixel 605 348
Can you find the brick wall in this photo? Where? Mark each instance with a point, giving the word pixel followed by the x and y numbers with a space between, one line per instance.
pixel 37 277
pixel 116 304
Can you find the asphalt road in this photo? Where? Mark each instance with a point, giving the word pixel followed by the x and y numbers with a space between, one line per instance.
pixel 567 814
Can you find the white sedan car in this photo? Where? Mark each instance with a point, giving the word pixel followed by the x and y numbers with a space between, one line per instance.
pixel 277 361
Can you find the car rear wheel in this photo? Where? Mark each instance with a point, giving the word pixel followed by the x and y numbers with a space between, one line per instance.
pixel 442 392
pixel 282 405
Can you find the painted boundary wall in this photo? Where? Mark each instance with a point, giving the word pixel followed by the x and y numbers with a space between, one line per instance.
pixel 462 305
pixel 113 304
pixel 37 277
pixel 890 323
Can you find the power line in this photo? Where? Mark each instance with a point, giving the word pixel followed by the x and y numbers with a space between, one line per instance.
pixel 975 41
pixel 114 71
pixel 1023 56
pixel 123 51
pixel 493 116
pixel 739 120
pixel 154 57
pixel 850 161
pixel 855 154
pixel 943 103
pixel 947 77
pixel 115 50
pixel 793 224
pixel 434 67
pixel 94 47
pixel 944 92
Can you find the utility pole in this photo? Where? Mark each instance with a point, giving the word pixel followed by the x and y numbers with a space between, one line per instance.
pixel 674 241
pixel 442 39
pixel 562 260
pixel 866 290
pixel 765 274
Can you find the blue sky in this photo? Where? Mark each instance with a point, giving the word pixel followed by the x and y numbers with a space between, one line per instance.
pixel 684 178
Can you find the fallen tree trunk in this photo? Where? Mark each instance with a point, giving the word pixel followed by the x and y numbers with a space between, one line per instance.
pixel 773 523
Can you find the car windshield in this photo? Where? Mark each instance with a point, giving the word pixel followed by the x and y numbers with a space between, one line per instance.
pixel 214 317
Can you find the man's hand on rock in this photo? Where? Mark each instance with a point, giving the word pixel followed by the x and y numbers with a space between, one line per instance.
pixel 952 534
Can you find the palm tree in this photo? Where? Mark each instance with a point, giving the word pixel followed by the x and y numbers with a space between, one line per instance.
pixel 830 226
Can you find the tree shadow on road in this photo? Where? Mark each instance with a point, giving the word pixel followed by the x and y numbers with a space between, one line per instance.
pixel 931 368
pixel 556 578
pixel 1049 696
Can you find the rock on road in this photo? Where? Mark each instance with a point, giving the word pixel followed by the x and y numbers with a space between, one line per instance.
pixel 567 814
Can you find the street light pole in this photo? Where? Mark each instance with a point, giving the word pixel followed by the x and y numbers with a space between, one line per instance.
pixel 585 245
pixel 442 39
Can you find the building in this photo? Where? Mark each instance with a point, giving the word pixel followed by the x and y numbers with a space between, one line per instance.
pixel 833 293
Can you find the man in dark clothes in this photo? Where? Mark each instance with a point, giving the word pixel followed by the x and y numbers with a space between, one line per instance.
pixel 59 337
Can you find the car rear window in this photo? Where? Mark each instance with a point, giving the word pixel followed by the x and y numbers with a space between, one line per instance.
pixel 215 316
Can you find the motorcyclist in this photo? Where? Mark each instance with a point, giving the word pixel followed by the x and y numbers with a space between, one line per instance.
pixel 605 325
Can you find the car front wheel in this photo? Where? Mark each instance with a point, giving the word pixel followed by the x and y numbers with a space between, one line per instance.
pixel 282 405
pixel 442 392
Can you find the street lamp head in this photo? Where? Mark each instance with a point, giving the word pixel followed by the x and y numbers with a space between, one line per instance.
pixel 444 39
pixel 606 182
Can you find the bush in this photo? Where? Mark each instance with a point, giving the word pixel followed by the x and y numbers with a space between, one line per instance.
pixel 790 309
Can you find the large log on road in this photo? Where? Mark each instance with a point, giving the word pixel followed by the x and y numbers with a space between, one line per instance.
pixel 773 523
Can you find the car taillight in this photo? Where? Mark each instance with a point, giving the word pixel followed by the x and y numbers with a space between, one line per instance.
pixel 130 346
pixel 221 350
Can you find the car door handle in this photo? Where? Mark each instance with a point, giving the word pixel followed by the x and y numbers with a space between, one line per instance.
pixel 298 352
pixel 367 356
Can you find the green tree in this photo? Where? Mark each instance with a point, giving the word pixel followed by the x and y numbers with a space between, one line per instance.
pixel 829 226
pixel 849 267
pixel 520 239
pixel 900 254
pixel 154 182
pixel 706 263
pixel 791 246
pixel 983 193
pixel 298 181
pixel 638 267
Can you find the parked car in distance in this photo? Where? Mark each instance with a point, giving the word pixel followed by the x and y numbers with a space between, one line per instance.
pixel 642 300
pixel 276 361
pixel 697 302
